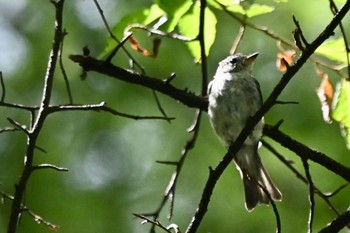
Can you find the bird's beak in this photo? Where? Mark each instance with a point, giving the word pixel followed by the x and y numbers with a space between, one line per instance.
pixel 250 59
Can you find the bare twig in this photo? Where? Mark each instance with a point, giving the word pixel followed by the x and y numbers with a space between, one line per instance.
pixel 3 88
pixel 311 194
pixel 64 73
pixel 158 32
pixel 91 64
pixel 7 129
pixel 337 224
pixel 307 153
pixel 154 223
pixel 298 35
pixel 116 49
pixel 289 164
pixel 201 35
pixel 18 125
pixel 41 220
pixel 115 38
pixel 238 39
pixel 274 208
pixel 161 109
pixel 334 10
pixel 39 121
pixel 103 107
pixel 50 166
pixel 36 217
pixel 169 194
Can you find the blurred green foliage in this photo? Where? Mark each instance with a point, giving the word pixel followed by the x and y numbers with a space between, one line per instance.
pixel 111 160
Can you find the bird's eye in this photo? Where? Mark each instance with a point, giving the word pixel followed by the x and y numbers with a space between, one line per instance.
pixel 233 60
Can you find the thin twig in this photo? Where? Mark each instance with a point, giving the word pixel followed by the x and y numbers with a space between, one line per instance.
pixel 169 194
pixel 115 38
pixel 307 153
pixel 92 64
pixel 311 195
pixel 158 32
pixel 116 49
pixel 64 73
pixel 274 208
pixel 299 35
pixel 334 10
pixel 289 165
pixel 18 125
pixel 103 107
pixel 159 105
pixel 3 88
pixel 337 224
pixel 35 216
pixel 41 220
pixel 50 166
pixel 155 223
pixel 3 130
pixel 238 39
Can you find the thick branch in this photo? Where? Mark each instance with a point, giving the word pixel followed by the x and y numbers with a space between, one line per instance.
pixel 34 132
pixel 306 153
pixel 91 64
pixel 337 224
pixel 217 172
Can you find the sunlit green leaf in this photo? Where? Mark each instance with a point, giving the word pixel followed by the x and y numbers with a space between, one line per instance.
pixel 339 1
pixel 334 50
pixel 237 9
pixel 257 9
pixel 144 17
pixel 341 108
pixel 189 26
pixel 174 10
pixel 252 11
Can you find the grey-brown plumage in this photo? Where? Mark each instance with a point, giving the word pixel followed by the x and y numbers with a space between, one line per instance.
pixel 235 96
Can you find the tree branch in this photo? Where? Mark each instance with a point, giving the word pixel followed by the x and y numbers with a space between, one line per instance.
pixel 92 64
pixel 217 172
pixel 34 132
pixel 337 224
pixel 306 153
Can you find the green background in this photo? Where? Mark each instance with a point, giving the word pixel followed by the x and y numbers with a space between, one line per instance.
pixel 111 160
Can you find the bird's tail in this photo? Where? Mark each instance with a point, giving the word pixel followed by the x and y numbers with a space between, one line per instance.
pixel 254 178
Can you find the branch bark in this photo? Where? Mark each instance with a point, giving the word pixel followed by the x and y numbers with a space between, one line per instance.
pixel 307 153
pixel 217 172
pixel 103 67
pixel 33 134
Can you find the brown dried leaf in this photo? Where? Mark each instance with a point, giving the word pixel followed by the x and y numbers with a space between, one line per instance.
pixel 325 95
pixel 287 56
pixel 137 47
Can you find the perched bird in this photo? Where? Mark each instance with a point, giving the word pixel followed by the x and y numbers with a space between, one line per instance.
pixel 234 97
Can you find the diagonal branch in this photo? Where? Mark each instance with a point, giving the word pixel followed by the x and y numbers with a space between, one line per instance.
pixel 217 172
pixel 39 121
pixel 306 153
pixel 92 64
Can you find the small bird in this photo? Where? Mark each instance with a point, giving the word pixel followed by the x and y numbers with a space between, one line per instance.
pixel 234 97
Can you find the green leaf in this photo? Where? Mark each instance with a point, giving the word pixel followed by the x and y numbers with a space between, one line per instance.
pixel 341 108
pixel 334 50
pixel 189 26
pixel 144 17
pixel 258 9
pixel 340 1
pixel 174 10
pixel 236 9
